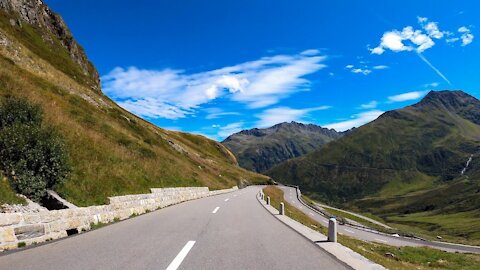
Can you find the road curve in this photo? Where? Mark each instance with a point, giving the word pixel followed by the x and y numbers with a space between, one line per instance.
pixel 291 197
pixel 229 231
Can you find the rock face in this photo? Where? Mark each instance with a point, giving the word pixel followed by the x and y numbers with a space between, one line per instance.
pixel 36 13
pixel 260 149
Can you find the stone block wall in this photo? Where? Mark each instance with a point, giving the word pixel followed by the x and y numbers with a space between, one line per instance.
pixel 31 228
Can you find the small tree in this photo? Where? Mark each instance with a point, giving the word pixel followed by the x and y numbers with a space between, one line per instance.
pixel 32 156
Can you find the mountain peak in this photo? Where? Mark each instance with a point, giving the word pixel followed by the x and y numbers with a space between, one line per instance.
pixel 38 14
pixel 448 98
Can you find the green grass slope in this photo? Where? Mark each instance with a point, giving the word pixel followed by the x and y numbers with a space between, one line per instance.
pixel 407 161
pixel 112 152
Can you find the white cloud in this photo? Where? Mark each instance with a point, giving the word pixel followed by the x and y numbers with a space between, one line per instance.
pixel 362 71
pixel 225 131
pixel 370 105
pixel 380 67
pixel 419 40
pixel 175 94
pixel 467 36
pixel 433 84
pixel 433 31
pixel 356 121
pixel 407 96
pixel 274 116
pixel 349 66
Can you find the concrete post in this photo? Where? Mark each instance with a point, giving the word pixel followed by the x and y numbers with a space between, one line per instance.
pixel 282 209
pixel 332 230
pixel 268 200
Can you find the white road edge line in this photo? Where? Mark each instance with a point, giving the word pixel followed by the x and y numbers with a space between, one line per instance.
pixel 227 199
pixel 181 256
pixel 215 210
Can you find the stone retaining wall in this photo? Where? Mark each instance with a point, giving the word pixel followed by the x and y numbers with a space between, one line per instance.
pixel 39 227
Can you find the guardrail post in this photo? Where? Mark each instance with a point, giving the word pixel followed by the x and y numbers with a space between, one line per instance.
pixel 332 230
pixel 268 200
pixel 282 209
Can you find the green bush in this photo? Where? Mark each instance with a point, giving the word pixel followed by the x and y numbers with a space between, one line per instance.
pixel 18 111
pixel 32 156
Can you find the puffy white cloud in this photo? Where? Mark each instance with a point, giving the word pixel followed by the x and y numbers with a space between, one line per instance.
pixel 407 96
pixel 175 94
pixel 467 36
pixel 349 66
pixel 356 121
pixel 406 40
pixel 418 40
pixel 274 116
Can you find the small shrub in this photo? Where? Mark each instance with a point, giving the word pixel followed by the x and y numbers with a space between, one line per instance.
pixel 18 111
pixel 32 156
pixel 21 244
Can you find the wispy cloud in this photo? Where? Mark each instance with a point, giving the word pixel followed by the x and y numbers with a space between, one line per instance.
pixel 225 131
pixel 370 105
pixel 433 84
pixel 274 116
pixel 356 121
pixel 214 113
pixel 407 96
pixel 174 94
pixel 365 69
pixel 420 40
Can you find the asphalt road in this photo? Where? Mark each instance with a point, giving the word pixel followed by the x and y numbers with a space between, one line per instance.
pixel 291 197
pixel 229 231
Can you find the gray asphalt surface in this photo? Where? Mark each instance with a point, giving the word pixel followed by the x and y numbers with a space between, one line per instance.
pixel 240 235
pixel 291 197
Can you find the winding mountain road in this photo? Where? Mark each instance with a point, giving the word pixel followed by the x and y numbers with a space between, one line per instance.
pixel 290 194
pixel 229 231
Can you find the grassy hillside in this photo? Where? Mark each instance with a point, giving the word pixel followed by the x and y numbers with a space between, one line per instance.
pixel 111 151
pixel 261 149
pixel 404 167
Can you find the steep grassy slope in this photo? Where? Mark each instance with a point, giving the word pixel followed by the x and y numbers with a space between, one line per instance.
pixel 407 161
pixel 111 151
pixel 260 149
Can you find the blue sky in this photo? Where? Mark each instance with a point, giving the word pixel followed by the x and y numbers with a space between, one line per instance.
pixel 217 67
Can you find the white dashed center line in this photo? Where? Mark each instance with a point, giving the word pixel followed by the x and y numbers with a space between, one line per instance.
pixel 347 230
pixel 227 199
pixel 380 240
pixel 181 256
pixel 215 210
pixel 311 214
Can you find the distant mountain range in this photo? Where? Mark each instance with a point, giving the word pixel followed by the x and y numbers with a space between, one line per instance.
pixel 418 165
pixel 260 149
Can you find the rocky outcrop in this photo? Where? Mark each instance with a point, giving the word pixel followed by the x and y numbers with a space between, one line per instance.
pixel 36 13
